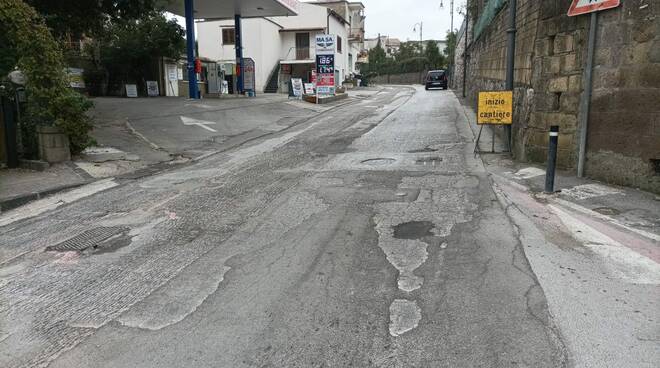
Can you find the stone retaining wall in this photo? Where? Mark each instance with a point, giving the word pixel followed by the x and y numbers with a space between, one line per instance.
pixel 624 129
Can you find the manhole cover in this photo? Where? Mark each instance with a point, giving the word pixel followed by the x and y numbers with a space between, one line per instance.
pixel 378 161
pixel 87 239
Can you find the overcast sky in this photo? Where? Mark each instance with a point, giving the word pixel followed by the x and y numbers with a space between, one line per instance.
pixel 397 18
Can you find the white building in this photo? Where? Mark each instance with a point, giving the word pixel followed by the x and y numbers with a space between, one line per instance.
pixel 281 47
pixel 389 44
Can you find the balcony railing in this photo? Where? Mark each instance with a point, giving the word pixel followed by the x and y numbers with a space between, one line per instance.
pixel 357 34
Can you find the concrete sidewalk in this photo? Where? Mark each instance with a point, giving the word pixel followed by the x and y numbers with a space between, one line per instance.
pixel 595 250
pixel 20 186
pixel 637 210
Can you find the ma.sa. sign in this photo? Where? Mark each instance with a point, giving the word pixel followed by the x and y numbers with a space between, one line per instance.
pixel 326 44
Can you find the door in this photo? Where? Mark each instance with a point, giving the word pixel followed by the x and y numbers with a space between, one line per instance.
pixel 302 46
pixel 214 83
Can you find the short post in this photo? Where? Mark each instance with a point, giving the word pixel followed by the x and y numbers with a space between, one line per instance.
pixel 552 159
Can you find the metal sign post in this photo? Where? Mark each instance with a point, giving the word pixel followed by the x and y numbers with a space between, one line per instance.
pixel 579 7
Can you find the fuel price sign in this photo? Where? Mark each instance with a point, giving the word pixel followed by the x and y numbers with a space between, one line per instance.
pixel 325 64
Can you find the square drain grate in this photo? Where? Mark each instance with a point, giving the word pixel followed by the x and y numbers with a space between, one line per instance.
pixel 88 238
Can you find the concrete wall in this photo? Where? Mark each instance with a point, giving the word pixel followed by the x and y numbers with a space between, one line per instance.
pixel 404 78
pixel 624 138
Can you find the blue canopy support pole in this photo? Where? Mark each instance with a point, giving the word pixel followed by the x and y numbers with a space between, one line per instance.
pixel 239 53
pixel 190 46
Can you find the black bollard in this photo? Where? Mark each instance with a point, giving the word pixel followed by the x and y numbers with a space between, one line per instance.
pixel 552 159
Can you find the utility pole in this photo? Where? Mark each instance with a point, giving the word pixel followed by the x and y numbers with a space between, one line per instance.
pixel 451 13
pixel 510 57
pixel 421 37
pixel 465 52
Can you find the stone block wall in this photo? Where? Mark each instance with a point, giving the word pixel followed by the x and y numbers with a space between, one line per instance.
pixel 624 130
pixel 551 50
pixel 558 56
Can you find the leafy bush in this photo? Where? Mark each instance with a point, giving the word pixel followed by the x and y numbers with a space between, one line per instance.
pixel 130 48
pixel 33 50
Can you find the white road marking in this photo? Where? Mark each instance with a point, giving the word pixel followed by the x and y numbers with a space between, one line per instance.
pixel 200 123
pixel 404 316
pixel 589 191
pixel 528 173
pixel 49 203
pixel 620 260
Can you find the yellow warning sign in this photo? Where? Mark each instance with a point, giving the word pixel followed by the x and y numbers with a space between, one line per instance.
pixel 495 108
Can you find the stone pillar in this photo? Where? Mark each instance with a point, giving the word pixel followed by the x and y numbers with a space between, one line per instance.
pixel 53 144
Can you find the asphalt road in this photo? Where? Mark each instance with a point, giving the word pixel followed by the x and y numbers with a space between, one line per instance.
pixel 368 236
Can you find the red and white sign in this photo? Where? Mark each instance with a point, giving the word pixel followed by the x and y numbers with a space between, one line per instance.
pixel 579 7
pixel 325 83
pixel 326 80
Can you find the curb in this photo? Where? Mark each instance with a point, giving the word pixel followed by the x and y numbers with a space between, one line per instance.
pixel 20 200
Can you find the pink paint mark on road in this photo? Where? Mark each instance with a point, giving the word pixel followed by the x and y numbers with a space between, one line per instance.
pixel 68 258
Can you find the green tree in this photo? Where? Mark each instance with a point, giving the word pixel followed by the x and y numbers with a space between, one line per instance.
pixel 128 49
pixel 408 50
pixel 377 60
pixel 28 45
pixel 434 59
pixel 450 50
pixel 88 17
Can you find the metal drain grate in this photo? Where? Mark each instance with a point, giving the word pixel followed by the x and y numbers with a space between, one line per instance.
pixel 87 239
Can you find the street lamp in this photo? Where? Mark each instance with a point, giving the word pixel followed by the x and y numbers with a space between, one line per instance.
pixel 421 34
pixel 451 11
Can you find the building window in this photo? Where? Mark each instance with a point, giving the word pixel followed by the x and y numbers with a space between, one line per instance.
pixel 228 36
pixel 339 44
pixel 302 46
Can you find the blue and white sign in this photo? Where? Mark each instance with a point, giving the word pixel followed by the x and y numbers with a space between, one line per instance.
pixel 326 44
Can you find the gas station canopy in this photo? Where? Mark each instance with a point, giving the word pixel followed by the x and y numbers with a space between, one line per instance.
pixel 227 9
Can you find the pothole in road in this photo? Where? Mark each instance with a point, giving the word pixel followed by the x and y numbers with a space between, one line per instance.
pixel 426 149
pixel 607 211
pixel 378 161
pixel 413 230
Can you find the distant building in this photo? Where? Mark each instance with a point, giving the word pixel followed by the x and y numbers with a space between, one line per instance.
pixel 389 44
pixel 353 11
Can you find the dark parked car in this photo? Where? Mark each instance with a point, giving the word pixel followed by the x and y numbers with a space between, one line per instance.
pixel 436 78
